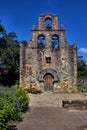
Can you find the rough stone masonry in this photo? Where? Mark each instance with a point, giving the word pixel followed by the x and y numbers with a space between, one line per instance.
pixel 48 62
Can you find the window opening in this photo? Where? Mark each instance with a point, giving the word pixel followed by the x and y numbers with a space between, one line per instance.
pixel 48 24
pixel 55 41
pixel 41 42
pixel 48 60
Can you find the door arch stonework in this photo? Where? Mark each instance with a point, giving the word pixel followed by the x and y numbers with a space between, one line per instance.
pixel 48 71
pixel 48 77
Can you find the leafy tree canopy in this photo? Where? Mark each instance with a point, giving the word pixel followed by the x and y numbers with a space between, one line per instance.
pixel 9 55
pixel 2 30
pixel 82 68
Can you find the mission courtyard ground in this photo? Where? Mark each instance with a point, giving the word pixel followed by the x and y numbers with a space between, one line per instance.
pixel 46 113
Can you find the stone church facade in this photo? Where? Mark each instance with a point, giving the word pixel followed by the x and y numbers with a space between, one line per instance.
pixel 48 61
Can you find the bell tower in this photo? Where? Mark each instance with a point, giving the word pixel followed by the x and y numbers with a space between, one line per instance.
pixel 42 21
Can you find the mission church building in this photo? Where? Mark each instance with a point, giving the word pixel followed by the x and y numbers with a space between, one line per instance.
pixel 48 61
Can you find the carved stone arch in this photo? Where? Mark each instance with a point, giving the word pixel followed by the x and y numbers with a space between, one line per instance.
pixel 40 38
pixel 41 35
pixel 54 34
pixel 48 17
pixel 48 71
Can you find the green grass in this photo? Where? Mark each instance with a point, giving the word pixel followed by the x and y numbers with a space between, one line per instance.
pixel 82 88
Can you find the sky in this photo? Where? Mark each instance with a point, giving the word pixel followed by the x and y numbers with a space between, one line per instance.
pixel 20 15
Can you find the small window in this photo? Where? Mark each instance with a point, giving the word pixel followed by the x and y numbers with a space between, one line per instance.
pixel 48 60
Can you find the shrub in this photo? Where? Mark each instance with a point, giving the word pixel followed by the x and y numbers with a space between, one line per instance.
pixel 22 98
pixel 13 101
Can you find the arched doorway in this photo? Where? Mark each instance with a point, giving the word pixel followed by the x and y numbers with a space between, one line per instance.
pixel 48 82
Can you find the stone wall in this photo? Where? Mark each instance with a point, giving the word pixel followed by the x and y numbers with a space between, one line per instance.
pixel 73 64
pixel 33 60
pixel 22 63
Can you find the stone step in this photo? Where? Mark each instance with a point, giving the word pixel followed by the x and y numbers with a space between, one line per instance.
pixel 50 99
pixel 75 104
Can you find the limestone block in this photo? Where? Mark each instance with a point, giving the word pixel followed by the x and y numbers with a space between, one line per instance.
pixel 27 85
pixel 66 87
pixel 35 88
pixel 33 80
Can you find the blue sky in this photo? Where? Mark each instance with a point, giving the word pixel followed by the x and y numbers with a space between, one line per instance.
pixel 20 15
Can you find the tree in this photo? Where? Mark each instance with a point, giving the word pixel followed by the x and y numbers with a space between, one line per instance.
pixel 2 30
pixel 9 56
pixel 82 68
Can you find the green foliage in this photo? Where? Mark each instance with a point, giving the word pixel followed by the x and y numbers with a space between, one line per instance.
pixel 82 68
pixel 13 101
pixel 10 51
pixel 24 42
pixel 12 36
pixel 2 30
pixel 22 98
pixel 9 56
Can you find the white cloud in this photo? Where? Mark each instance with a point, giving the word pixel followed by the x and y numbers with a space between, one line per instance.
pixel 83 50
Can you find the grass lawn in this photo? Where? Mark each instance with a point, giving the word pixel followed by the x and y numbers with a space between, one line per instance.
pixel 82 88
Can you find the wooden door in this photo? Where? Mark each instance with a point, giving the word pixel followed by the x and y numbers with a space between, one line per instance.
pixel 48 82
